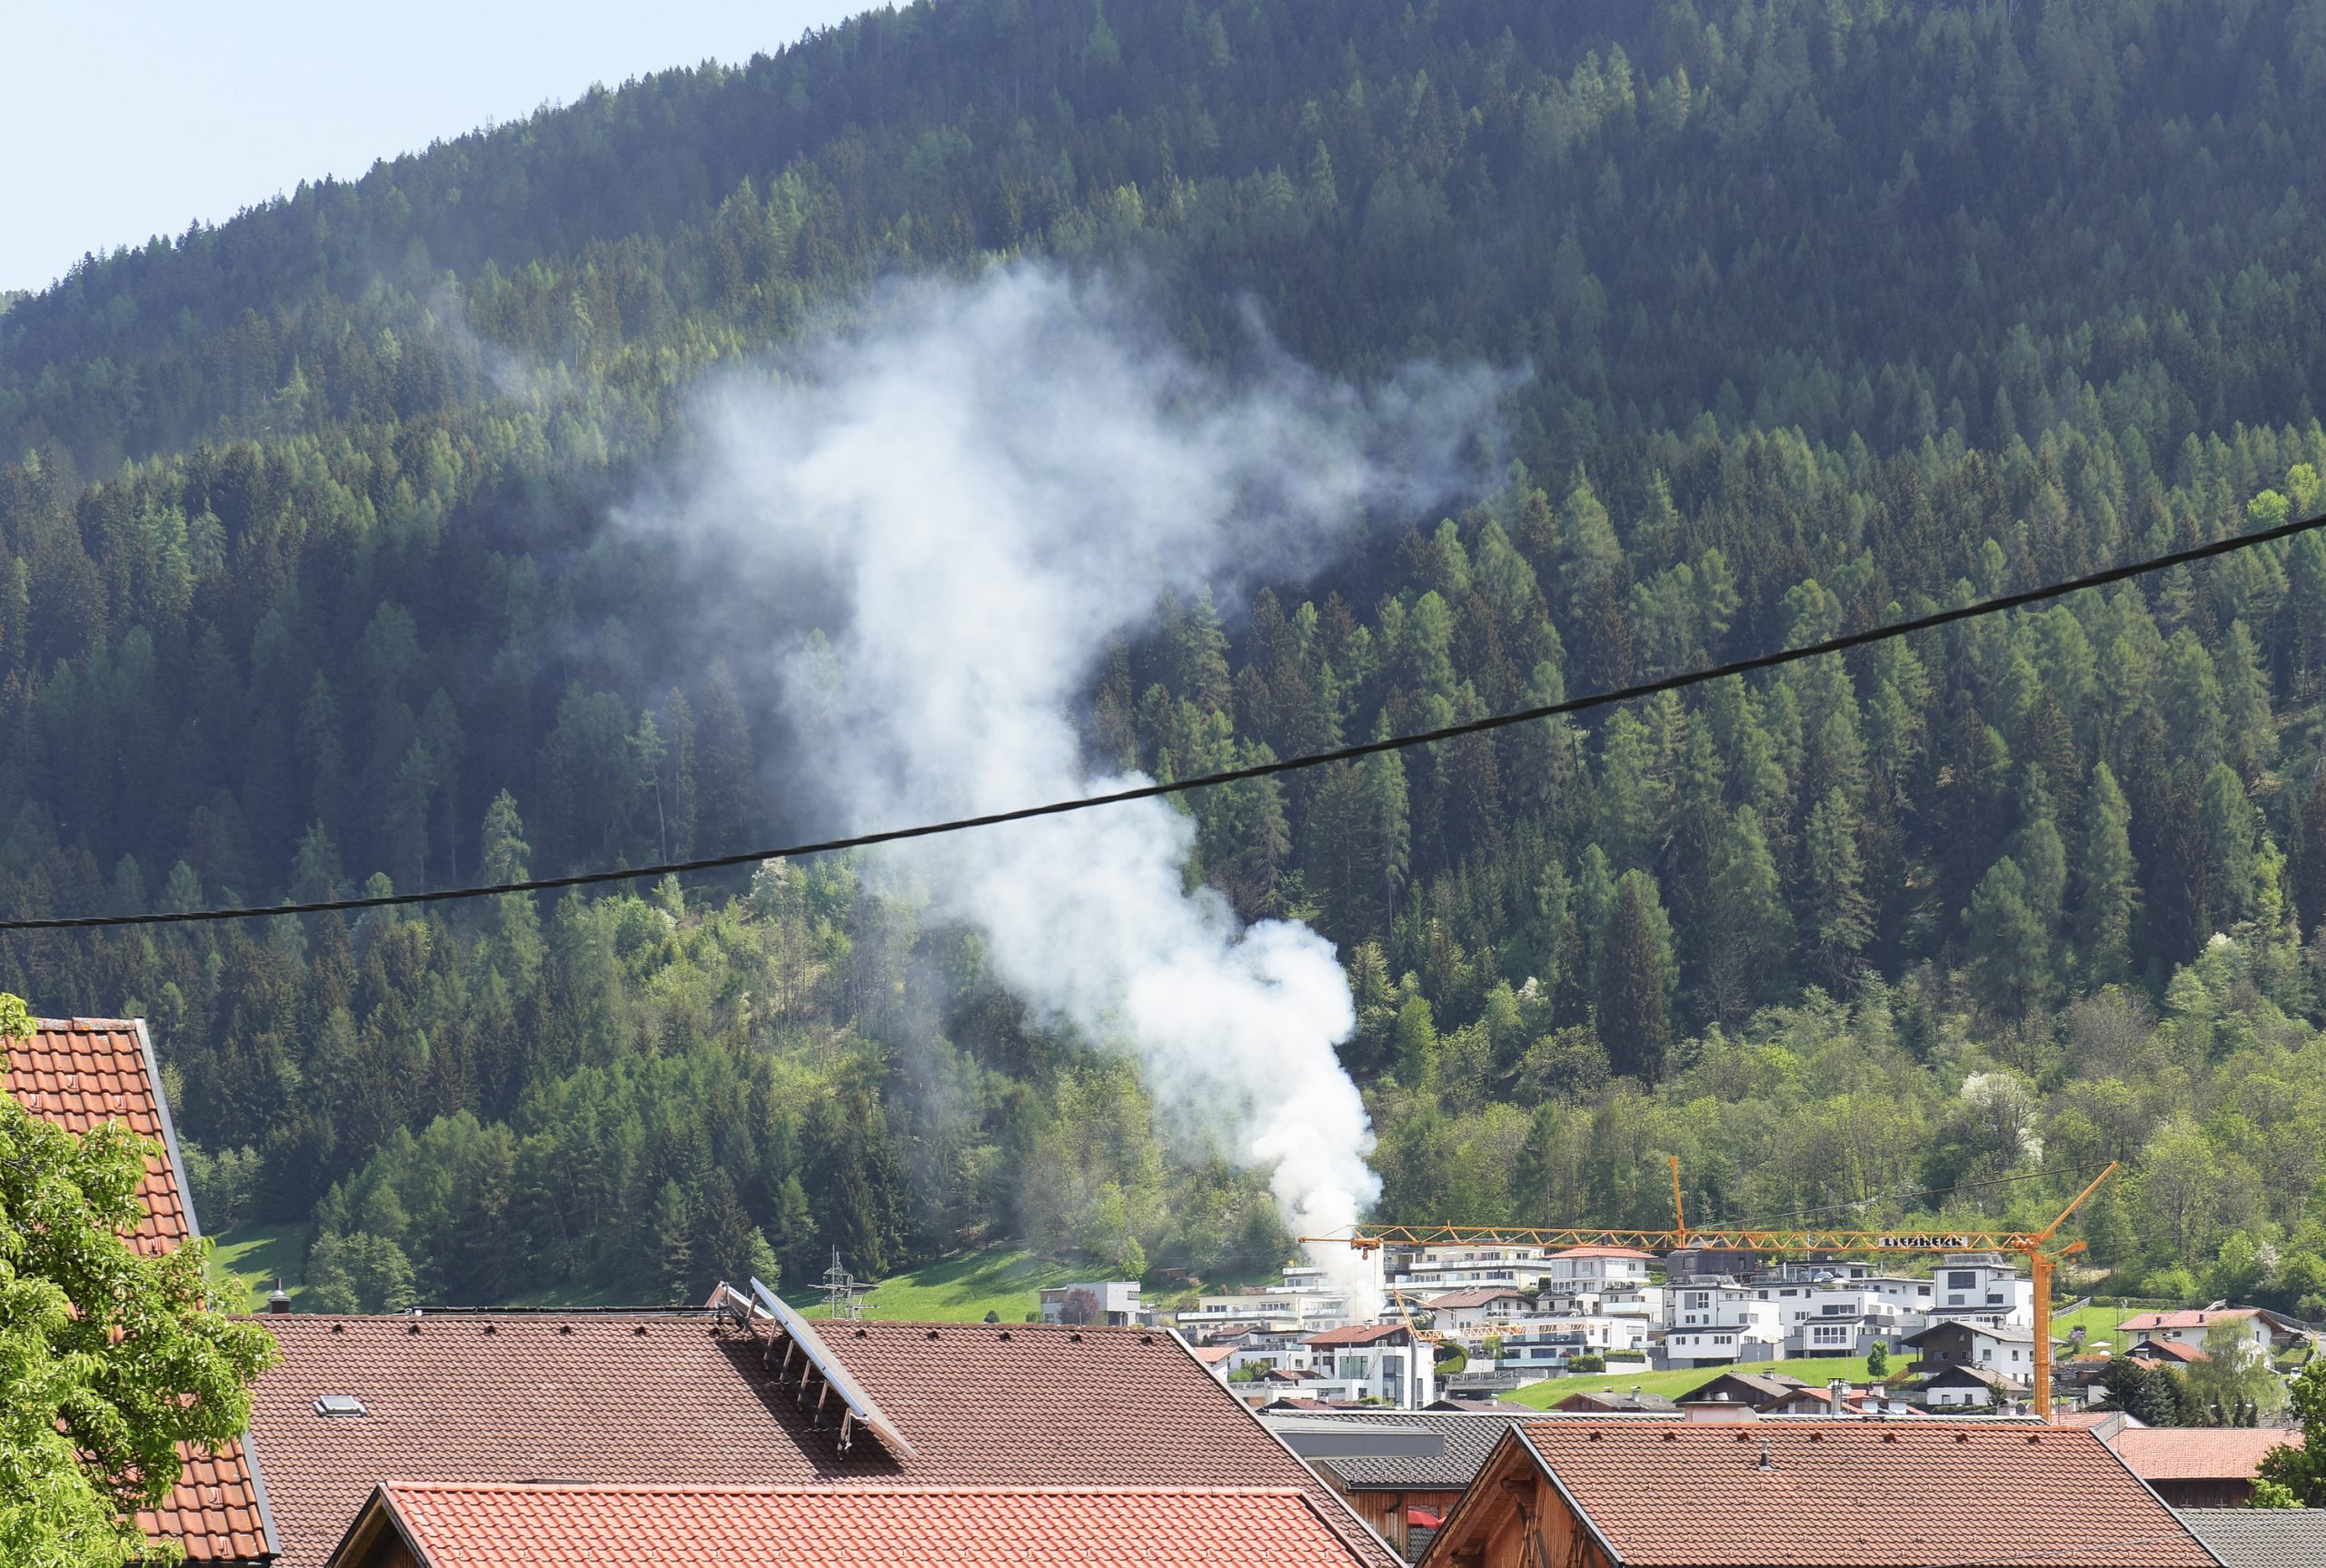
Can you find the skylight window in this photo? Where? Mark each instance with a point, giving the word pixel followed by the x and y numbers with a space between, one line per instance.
pixel 335 1404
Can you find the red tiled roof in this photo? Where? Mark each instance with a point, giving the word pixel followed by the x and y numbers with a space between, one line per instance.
pixel 1912 1494
pixel 2199 1452
pixel 79 1072
pixel 2167 1350
pixel 1213 1354
pixel 488 1526
pixel 2199 1318
pixel 82 1072
pixel 633 1399
pixel 1358 1334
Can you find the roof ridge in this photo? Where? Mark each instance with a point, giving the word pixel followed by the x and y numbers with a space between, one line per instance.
pixel 799 1489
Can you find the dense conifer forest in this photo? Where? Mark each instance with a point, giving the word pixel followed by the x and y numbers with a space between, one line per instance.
pixel 1830 310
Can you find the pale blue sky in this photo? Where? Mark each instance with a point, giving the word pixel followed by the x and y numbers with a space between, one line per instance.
pixel 126 118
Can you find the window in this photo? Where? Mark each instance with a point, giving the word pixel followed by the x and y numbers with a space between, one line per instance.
pixel 1354 1366
pixel 1961 1279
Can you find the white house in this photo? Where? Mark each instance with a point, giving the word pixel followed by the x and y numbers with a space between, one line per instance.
pixel 1513 1266
pixel 1113 1302
pixel 2268 1332
pixel 1383 1361
pixel 1476 1310
pixel 1308 1301
pixel 1596 1269
pixel 1549 1345
pixel 1983 1286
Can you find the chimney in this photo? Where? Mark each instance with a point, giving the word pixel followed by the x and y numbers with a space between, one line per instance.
pixel 1836 1390
pixel 278 1299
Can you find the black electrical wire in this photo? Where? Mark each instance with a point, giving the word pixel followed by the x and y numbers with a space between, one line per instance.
pixel 1842 644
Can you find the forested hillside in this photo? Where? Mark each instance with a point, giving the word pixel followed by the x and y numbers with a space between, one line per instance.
pixel 1831 311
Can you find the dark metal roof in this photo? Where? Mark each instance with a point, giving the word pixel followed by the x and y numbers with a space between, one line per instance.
pixel 2261 1537
pixel 1469 1436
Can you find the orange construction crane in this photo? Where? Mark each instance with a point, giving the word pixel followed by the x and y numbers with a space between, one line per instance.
pixel 2035 1245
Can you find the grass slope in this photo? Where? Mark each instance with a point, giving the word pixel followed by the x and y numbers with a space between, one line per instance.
pixel 1818 1370
pixel 963 1289
pixel 251 1258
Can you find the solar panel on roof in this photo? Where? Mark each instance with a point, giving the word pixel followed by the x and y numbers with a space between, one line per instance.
pixel 837 1377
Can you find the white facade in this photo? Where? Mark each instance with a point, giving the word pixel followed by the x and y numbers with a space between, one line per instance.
pixel 1549 1346
pixel 1596 1269
pixel 1109 1301
pixel 1982 1285
pixel 1308 1301
pixel 1396 1368
pixel 1518 1266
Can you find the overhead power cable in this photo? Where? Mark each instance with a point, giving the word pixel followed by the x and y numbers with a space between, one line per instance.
pixel 1492 722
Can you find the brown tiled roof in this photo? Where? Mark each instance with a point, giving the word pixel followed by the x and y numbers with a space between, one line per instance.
pixel 1912 1494
pixel 661 1399
pixel 1357 1334
pixel 473 1526
pixel 2167 1350
pixel 81 1073
pixel 2200 1453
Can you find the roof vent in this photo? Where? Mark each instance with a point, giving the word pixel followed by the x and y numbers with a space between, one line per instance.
pixel 337 1404
pixel 1764 1455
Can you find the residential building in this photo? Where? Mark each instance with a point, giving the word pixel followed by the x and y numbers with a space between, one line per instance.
pixel 1113 1302
pixel 1752 1390
pixel 2270 1331
pixel 1458 1266
pixel 1957 1342
pixel 1383 1361
pixel 1476 1310
pixel 447 1525
pixel 1965 1387
pixel 1837 1335
pixel 1616 1401
pixel 2200 1466
pixel 81 1073
pixel 1265 1351
pixel 1716 1321
pixel 2261 1537
pixel 733 1398
pixel 1307 1301
pixel 1585 1493
pixel 1405 1495
pixel 1594 1270
pixel 1550 1343
pixel 1983 1286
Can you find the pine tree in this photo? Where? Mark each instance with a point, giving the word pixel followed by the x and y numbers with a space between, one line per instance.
pixel 1840 916
pixel 2010 952
pixel 2107 891
pixel 1635 1015
pixel 669 1233
pixel 1750 930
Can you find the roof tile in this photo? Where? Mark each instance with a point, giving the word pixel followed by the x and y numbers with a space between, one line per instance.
pixel 2200 1453
pixel 79 1073
pixel 637 1399
pixel 1868 1494
pixel 500 1527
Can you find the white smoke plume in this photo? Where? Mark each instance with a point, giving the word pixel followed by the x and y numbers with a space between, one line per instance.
pixel 984 484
